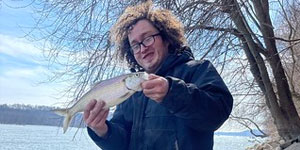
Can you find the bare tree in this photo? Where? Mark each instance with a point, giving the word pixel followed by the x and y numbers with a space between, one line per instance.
pixel 290 30
pixel 237 35
pixel 280 103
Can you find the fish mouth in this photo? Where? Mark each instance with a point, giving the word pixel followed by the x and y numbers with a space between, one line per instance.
pixel 143 75
pixel 133 84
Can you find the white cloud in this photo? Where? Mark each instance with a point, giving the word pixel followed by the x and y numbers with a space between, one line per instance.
pixel 21 73
pixel 19 48
pixel 15 90
pixel 16 46
pixel 35 73
pixel 26 86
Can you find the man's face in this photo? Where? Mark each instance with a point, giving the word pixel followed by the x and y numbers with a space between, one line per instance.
pixel 149 57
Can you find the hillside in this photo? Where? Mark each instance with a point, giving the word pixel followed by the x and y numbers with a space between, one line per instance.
pixel 33 115
pixel 42 115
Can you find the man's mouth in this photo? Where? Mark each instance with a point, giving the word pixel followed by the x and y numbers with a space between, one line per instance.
pixel 148 56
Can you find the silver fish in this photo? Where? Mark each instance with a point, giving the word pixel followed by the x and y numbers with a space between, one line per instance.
pixel 113 91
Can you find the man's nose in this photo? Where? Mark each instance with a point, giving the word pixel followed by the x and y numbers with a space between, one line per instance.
pixel 143 48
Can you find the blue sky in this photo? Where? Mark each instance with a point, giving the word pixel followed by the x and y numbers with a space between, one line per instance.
pixel 22 68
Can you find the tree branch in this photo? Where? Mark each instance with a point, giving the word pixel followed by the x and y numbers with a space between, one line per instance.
pixel 263 134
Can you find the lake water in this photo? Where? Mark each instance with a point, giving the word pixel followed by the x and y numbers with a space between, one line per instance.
pixel 29 137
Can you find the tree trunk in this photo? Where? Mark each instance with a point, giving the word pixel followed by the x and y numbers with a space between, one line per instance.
pixel 281 104
pixel 285 99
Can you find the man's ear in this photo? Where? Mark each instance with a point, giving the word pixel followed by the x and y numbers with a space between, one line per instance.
pixel 170 48
pixel 167 45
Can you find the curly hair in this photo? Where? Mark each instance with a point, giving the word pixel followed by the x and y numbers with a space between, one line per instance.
pixel 170 28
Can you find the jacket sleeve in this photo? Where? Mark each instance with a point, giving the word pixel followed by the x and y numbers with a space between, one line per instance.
pixel 204 103
pixel 117 137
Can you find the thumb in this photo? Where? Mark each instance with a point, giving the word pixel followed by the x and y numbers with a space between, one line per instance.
pixel 153 76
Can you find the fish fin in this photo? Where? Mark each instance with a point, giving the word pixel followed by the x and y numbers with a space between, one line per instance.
pixel 67 122
pixel 125 96
pixel 61 112
pixel 95 84
pixel 67 119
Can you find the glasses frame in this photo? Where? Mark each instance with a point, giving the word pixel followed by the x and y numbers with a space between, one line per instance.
pixel 151 37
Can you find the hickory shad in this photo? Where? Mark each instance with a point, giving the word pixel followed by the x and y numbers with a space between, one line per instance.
pixel 113 91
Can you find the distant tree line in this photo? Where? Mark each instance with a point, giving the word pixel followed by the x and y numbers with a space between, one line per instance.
pixel 34 115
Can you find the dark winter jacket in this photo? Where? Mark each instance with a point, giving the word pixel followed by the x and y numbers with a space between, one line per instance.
pixel 197 103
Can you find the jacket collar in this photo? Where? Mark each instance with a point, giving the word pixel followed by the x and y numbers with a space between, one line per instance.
pixel 172 60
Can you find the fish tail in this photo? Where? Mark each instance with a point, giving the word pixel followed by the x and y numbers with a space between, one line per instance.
pixel 67 115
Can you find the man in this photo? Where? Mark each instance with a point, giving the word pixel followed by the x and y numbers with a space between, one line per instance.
pixel 181 105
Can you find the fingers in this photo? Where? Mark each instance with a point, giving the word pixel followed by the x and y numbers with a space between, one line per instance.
pixel 153 80
pixel 100 119
pixel 93 112
pixel 95 115
pixel 156 87
pixel 88 108
pixel 153 76
pixel 155 97
pixel 155 90
pixel 156 94
pixel 148 84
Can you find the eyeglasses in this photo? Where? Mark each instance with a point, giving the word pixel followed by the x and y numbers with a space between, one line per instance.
pixel 136 48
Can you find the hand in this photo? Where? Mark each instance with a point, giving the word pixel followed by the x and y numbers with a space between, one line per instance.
pixel 156 88
pixel 95 115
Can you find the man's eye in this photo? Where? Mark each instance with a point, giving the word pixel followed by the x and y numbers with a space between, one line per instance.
pixel 135 46
pixel 147 39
